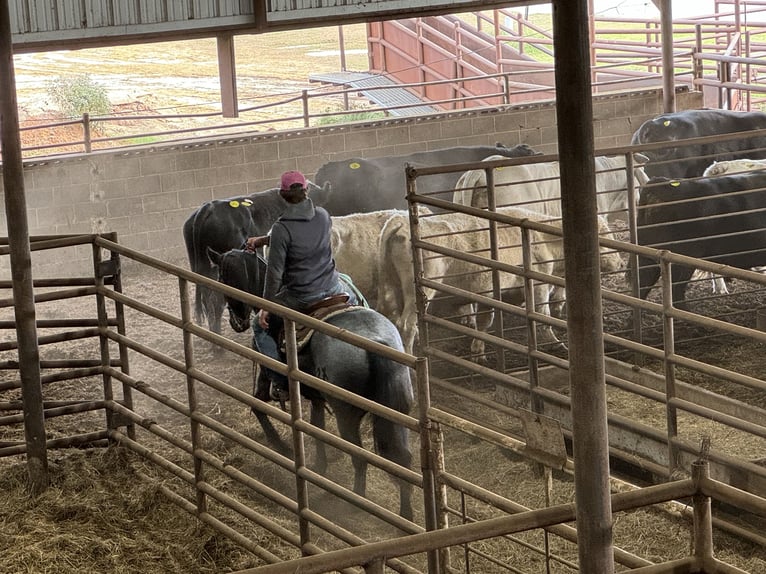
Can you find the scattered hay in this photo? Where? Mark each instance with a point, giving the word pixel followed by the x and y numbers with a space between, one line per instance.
pixel 98 516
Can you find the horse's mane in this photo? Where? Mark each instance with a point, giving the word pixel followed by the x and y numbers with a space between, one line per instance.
pixel 242 269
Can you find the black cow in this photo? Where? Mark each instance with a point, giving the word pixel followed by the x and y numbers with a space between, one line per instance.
pixel 719 219
pixel 690 161
pixel 360 185
pixel 225 224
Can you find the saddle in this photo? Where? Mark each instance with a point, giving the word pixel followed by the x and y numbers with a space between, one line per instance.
pixel 321 310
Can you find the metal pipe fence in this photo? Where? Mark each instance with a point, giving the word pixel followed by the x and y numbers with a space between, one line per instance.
pixel 169 405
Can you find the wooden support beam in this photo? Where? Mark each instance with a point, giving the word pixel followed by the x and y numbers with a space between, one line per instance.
pixel 227 74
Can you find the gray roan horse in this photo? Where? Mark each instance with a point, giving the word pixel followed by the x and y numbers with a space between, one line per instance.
pixel 351 368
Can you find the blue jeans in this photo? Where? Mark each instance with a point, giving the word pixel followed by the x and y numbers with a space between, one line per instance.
pixel 265 341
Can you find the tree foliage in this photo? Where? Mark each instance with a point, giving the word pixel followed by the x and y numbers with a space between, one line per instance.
pixel 78 95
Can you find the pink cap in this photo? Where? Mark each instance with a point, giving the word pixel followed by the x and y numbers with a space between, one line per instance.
pixel 290 178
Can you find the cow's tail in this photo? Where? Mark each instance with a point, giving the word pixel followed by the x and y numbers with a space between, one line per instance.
pixel 390 297
pixel 192 252
pixel 471 189
pixel 199 261
pixel 396 283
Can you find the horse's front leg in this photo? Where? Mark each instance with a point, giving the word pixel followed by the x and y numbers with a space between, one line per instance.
pixel 261 391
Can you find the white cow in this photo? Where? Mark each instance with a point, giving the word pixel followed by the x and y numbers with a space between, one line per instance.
pixel 733 166
pixel 355 248
pixel 536 186
pixel 355 239
pixel 467 234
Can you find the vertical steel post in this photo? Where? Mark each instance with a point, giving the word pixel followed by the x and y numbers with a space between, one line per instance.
pixel 494 253
pixel 227 74
pixel 668 77
pixel 21 263
pixel 702 517
pixel 668 330
pixel 191 391
pixel 299 448
pixel 428 458
pixel 574 108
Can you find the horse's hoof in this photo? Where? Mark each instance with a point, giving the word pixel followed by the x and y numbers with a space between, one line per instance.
pixel 279 393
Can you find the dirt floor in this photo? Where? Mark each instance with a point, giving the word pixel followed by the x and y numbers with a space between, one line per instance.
pixel 105 512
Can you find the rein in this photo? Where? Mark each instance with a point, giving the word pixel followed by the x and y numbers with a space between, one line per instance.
pixel 229 263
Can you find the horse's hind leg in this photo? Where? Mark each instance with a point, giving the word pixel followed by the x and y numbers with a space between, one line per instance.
pixel 318 420
pixel 392 443
pixel 349 420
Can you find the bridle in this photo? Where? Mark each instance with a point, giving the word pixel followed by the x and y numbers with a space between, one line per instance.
pixel 239 312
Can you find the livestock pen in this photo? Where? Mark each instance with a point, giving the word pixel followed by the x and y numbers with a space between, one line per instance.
pixel 142 374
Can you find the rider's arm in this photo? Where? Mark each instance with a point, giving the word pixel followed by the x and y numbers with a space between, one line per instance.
pixel 275 267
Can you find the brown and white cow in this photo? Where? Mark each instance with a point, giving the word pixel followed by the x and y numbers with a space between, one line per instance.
pixel 467 234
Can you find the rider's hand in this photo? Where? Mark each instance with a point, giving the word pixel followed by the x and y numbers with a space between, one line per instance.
pixel 263 319
pixel 254 243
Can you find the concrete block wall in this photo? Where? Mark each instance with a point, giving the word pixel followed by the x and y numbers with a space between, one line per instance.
pixel 146 193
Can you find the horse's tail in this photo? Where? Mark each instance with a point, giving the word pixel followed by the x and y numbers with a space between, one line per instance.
pixel 392 388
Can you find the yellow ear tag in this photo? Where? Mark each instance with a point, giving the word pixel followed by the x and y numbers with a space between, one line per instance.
pixel 234 203
pixel 247 202
pixel 675 183
pixel 666 123
pixel 354 165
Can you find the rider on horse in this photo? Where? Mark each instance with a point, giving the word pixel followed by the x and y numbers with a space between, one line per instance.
pixel 300 266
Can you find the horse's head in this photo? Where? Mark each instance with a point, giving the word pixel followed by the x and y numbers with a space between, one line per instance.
pixel 242 270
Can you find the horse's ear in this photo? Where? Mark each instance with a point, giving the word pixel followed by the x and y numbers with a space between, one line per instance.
pixel 214 256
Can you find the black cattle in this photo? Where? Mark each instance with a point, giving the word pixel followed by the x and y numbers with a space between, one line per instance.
pixel 224 224
pixel 719 219
pixel 360 185
pixel 677 162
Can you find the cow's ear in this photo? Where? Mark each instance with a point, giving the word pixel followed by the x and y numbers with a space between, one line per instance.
pixel 640 159
pixel 320 195
pixel 214 256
